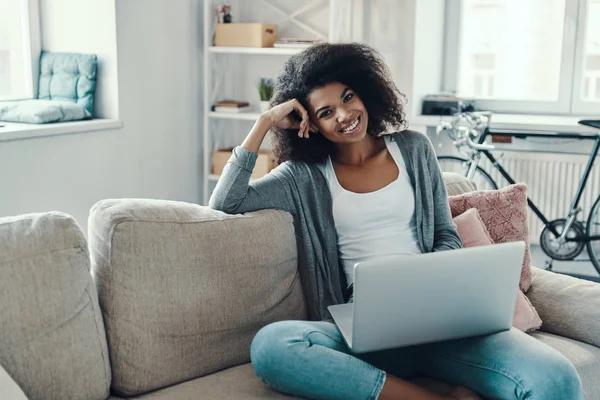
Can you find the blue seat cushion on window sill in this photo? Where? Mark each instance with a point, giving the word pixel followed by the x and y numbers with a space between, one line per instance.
pixel 68 77
pixel 42 111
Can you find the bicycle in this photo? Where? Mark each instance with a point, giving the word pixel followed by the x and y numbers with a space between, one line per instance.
pixel 561 239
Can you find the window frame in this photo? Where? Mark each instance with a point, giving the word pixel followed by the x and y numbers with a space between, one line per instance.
pixel 30 12
pixel 571 70
pixel 579 106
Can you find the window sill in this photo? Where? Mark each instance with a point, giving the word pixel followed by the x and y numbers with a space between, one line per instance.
pixel 17 131
pixel 556 123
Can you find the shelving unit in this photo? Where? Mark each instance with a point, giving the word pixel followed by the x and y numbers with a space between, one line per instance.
pixel 255 50
pixel 249 116
pixel 228 70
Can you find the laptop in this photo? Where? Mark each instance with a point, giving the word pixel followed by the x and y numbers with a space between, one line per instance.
pixel 408 300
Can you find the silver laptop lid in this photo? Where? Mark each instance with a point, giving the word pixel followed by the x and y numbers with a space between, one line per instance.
pixel 406 300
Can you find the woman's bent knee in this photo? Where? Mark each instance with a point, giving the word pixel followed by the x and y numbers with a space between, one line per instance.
pixel 272 350
pixel 268 347
pixel 557 379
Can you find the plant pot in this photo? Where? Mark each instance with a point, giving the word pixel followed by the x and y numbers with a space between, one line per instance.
pixel 264 106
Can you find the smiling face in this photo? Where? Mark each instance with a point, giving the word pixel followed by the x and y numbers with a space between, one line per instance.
pixel 339 113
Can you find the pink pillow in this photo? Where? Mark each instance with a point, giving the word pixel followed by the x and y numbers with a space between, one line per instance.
pixel 473 233
pixel 471 229
pixel 526 318
pixel 504 214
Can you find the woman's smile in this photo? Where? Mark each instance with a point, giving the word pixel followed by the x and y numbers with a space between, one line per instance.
pixel 352 127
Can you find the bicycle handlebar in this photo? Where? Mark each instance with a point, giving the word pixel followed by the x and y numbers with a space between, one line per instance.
pixel 475 146
pixel 477 120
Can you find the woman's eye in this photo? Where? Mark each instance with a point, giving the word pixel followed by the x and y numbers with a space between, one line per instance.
pixel 348 97
pixel 325 113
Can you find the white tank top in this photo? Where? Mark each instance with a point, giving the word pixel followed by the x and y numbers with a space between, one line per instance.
pixel 375 224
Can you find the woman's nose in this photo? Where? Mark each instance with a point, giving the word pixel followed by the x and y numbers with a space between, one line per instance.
pixel 342 115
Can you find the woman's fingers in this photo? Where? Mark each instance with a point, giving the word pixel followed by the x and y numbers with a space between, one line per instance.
pixel 304 125
pixel 303 130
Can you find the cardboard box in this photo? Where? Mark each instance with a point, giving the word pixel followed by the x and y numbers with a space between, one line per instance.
pixel 245 35
pixel 264 163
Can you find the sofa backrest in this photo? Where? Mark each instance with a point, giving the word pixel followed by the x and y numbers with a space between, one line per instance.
pixel 184 288
pixel 52 338
pixel 457 184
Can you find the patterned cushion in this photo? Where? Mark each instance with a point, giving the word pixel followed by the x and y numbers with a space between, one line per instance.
pixel 473 233
pixel 42 111
pixel 504 213
pixel 68 77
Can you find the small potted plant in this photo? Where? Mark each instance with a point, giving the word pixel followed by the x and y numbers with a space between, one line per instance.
pixel 265 89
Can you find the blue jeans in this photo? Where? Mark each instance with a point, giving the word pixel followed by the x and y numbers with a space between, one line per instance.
pixel 310 359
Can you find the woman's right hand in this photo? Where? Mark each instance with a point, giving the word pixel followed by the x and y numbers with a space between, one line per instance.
pixel 282 116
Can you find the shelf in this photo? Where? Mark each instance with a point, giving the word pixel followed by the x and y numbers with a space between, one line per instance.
pixel 281 51
pixel 249 116
pixel 18 131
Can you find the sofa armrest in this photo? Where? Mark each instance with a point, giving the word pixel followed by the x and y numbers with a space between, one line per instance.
pixel 568 306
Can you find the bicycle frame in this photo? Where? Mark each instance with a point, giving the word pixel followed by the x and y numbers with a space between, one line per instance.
pixel 574 210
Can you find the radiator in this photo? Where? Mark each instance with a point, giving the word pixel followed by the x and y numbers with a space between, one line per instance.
pixel 552 181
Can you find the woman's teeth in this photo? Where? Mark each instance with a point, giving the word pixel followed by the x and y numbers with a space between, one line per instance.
pixel 351 127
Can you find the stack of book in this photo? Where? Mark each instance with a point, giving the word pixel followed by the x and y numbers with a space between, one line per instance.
pixel 295 42
pixel 232 106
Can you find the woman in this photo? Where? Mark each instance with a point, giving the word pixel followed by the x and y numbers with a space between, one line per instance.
pixel 356 192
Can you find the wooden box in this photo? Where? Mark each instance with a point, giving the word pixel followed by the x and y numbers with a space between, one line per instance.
pixel 264 163
pixel 245 35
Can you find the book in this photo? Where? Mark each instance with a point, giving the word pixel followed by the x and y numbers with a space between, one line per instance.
pixel 233 109
pixel 291 45
pixel 231 103
pixel 299 40
pixel 298 43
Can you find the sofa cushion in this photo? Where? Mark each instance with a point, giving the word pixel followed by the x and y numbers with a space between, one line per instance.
pixel 471 229
pixel 585 358
pixel 241 383
pixel 473 233
pixel 569 307
pixel 41 111
pixel 184 288
pixel 235 383
pixel 504 213
pixel 68 77
pixel 52 339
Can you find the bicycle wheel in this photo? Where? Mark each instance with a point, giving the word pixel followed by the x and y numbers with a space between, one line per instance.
pixel 459 165
pixel 593 229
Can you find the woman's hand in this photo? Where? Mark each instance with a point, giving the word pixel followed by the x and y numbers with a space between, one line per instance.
pixel 282 116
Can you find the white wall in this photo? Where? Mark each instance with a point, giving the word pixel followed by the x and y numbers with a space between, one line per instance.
pixel 157 152
pixel 409 35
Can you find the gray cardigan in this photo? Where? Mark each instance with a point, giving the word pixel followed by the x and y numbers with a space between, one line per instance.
pixel 302 190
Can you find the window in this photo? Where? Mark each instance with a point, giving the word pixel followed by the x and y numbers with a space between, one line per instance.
pixel 587 90
pixel 19 48
pixel 525 56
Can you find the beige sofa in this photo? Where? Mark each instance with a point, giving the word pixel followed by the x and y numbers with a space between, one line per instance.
pixel 165 302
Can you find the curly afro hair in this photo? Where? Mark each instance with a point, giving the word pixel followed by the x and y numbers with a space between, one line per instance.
pixel 356 65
